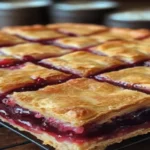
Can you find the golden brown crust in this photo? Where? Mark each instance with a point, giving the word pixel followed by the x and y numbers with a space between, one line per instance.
pixel 132 33
pixel 7 39
pixel 34 32
pixel 14 29
pixel 130 52
pixel 77 28
pixel 138 77
pixel 83 63
pixel 15 78
pixel 110 36
pixel 36 50
pixel 39 34
pixel 76 42
pixel 81 101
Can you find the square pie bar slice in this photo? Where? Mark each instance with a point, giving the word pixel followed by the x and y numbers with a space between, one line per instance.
pixel 129 52
pixel 83 63
pixel 77 29
pixel 8 40
pixel 135 78
pixel 108 36
pixel 33 51
pixel 28 77
pixel 81 114
pixel 34 33
pixel 121 34
pixel 131 33
pixel 76 42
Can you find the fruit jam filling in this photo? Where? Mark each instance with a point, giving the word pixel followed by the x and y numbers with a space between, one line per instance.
pixel 33 121
pixel 9 62
pixel 38 83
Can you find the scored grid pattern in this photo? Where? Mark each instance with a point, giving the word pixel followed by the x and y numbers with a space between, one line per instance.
pixel 145 58
pixel 123 50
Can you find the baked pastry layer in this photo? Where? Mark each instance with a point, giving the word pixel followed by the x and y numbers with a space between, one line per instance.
pixel 35 33
pixel 83 63
pixel 135 78
pixel 81 101
pixel 77 29
pixel 76 42
pixel 7 39
pixel 91 145
pixel 26 75
pixel 124 122
pixel 82 113
pixel 34 50
pixel 126 51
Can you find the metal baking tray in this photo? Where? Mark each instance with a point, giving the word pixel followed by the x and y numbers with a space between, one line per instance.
pixel 125 144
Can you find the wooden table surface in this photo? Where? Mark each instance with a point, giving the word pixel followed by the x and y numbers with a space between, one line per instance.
pixel 12 141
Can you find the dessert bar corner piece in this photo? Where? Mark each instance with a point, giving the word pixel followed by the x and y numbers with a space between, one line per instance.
pixel 28 76
pixel 134 78
pixel 79 114
pixel 35 51
pixel 83 63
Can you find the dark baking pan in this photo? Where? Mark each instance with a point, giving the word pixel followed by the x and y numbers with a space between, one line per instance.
pixel 14 12
pixel 121 146
pixel 129 19
pixel 83 12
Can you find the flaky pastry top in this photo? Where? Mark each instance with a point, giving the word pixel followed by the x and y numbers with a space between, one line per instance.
pixel 12 78
pixel 81 101
pixel 36 50
pixel 77 28
pixel 127 51
pixel 83 63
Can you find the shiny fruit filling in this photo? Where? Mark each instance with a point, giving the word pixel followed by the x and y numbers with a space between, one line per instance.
pixel 33 121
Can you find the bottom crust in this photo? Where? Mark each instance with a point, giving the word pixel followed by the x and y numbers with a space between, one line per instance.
pixel 91 145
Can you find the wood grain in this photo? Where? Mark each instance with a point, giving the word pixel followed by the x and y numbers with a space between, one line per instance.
pixel 29 146
pixel 8 138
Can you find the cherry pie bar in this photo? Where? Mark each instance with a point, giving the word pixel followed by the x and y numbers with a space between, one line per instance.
pixel 28 76
pixel 8 40
pixel 136 78
pixel 130 52
pixel 75 86
pixel 76 42
pixel 83 63
pixel 77 29
pixel 35 33
pixel 33 51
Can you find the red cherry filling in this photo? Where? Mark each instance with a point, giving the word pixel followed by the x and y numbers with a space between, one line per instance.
pixel 38 83
pixel 35 122
pixel 9 62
